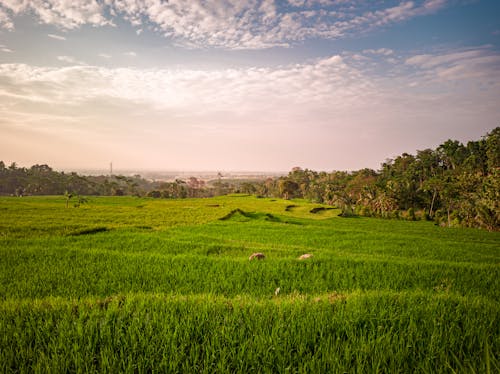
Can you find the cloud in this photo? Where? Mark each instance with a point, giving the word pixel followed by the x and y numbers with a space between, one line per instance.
pixel 104 55
pixel 382 17
pixel 63 14
pixel 130 54
pixel 335 85
pixel 187 104
pixel 57 37
pixel 262 24
pixel 480 64
pixel 207 91
pixel 434 5
pixel 70 60
pixel 5 20
pixel 432 60
pixel 380 51
pixel 230 24
pixel 314 114
pixel 179 110
pixel 311 3
pixel 3 48
pixel 330 84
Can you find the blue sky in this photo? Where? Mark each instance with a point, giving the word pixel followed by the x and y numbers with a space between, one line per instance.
pixel 243 85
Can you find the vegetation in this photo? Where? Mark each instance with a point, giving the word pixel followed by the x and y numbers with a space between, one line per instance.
pixel 128 284
pixel 453 185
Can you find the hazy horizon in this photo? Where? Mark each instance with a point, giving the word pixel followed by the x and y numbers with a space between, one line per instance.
pixel 250 86
pixel 181 173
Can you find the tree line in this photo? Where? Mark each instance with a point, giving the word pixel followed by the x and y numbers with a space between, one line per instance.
pixel 454 185
pixel 43 180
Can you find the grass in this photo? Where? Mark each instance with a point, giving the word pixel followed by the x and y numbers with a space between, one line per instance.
pixel 140 285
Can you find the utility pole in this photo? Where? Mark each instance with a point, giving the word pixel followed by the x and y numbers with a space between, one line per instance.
pixel 111 169
pixel 219 177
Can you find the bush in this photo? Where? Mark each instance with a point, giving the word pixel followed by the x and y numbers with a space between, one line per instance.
pixel 365 211
pixel 425 216
pixel 396 214
pixel 410 214
pixel 156 194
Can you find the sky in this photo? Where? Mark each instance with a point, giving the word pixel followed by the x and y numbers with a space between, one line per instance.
pixel 257 85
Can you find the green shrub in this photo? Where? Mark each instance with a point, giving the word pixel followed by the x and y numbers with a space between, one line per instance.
pixel 410 214
pixel 365 211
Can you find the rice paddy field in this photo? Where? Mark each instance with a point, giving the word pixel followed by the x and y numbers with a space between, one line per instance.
pixel 127 284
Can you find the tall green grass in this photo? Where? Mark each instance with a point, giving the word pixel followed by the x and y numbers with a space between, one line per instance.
pixel 142 285
pixel 359 332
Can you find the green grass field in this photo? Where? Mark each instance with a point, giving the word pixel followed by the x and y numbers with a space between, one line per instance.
pixel 127 284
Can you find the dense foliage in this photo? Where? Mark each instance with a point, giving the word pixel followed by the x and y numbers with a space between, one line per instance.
pixel 127 284
pixel 454 185
pixel 40 180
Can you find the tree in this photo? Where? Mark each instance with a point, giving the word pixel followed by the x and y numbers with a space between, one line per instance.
pixel 452 153
pixel 493 150
pixel 449 192
pixel 155 194
pixel 248 188
pixel 488 202
pixel 68 196
pixel 288 188
pixel 434 186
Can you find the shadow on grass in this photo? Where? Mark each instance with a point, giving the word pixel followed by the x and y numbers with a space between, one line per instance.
pixel 242 216
pixel 90 231
pixel 319 209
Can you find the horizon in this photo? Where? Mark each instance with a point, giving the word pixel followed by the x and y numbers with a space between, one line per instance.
pixel 224 85
pixel 148 173
pixel 130 169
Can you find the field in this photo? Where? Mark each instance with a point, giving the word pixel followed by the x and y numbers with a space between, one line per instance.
pixel 127 284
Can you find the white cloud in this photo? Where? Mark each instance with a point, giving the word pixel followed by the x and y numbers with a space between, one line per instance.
pixel 249 89
pixel 433 60
pixel 64 14
pixel 16 6
pixel 320 111
pixel 230 24
pixel 331 85
pixel 70 60
pixel 178 106
pixel 311 3
pixel 3 48
pixel 130 54
pixel 57 37
pixel 480 64
pixel 433 5
pixel 382 17
pixel 380 51
pixel 332 82
pixel 104 55
pixel 5 20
